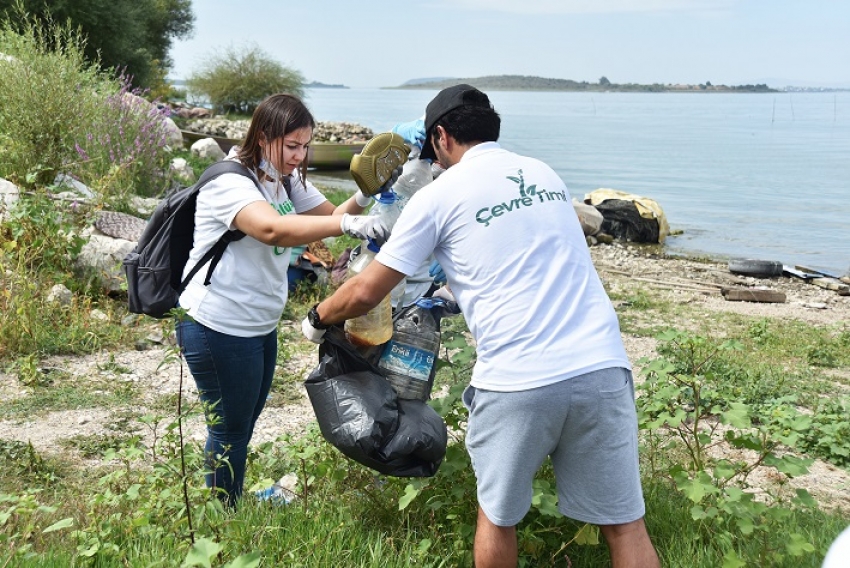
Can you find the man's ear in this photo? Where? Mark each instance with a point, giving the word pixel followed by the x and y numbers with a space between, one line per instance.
pixel 448 141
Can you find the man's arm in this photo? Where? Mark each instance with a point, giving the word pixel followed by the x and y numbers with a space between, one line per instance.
pixel 359 294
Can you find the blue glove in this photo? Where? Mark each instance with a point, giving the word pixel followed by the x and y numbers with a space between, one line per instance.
pixel 436 271
pixel 413 132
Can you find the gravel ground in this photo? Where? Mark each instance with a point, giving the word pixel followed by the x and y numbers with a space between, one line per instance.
pixel 693 283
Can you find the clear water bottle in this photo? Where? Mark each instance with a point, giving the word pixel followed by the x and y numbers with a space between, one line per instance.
pixel 409 358
pixel 388 207
pixel 415 174
pixel 376 326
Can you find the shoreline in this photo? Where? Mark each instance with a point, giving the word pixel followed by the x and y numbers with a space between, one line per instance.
pixel 341 180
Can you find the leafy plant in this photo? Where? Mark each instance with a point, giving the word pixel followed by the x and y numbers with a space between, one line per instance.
pixel 829 434
pixel 22 460
pixel 39 241
pixel 682 401
pixel 822 353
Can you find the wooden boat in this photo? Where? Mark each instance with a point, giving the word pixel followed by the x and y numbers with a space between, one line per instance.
pixel 320 155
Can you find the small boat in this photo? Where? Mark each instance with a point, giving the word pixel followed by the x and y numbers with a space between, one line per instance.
pixel 320 155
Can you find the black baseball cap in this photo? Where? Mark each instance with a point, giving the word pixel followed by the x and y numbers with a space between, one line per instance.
pixel 446 101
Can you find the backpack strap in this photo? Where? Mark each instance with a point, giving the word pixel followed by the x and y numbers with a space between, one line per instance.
pixel 214 254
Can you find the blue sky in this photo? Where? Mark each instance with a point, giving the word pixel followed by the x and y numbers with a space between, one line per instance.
pixel 383 43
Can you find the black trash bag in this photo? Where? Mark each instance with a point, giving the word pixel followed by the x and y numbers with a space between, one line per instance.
pixel 421 440
pixel 621 219
pixel 359 413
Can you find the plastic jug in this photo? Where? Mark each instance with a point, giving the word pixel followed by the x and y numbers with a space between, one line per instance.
pixel 409 358
pixel 376 326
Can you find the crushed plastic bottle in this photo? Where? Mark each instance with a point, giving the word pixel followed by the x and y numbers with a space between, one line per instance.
pixel 409 358
pixel 376 326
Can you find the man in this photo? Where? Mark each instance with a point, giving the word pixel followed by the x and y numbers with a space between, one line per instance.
pixel 552 376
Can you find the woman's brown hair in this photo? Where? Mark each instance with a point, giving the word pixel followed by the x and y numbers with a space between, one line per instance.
pixel 275 117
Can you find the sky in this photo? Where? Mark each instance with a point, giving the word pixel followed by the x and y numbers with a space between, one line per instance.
pixel 384 43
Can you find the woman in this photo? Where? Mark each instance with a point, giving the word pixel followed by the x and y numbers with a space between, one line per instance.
pixel 229 340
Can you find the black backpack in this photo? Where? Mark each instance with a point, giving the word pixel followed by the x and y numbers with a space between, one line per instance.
pixel 155 266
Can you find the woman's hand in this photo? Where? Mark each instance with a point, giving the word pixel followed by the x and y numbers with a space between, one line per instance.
pixel 365 227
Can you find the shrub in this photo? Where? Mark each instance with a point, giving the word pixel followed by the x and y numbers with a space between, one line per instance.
pixel 237 80
pixel 123 149
pixel 48 91
pixel 60 114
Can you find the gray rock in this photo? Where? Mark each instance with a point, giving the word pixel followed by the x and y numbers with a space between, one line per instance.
pixel 339 132
pixel 144 206
pixel 173 136
pixel 9 195
pixel 129 320
pixel 207 148
pixel 104 255
pixel 59 294
pixel 183 171
pixel 72 187
pixel 98 315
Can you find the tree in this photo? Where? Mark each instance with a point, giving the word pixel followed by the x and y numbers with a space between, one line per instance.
pixel 239 79
pixel 603 80
pixel 130 35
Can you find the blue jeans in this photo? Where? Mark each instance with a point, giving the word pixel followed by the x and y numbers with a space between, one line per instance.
pixel 234 376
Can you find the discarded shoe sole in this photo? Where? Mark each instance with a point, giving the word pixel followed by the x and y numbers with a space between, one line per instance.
pixel 375 164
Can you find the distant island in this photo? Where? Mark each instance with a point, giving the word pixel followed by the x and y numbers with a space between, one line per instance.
pixel 318 85
pixel 530 83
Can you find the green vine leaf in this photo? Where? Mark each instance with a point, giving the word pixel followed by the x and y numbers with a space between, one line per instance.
pixel 410 494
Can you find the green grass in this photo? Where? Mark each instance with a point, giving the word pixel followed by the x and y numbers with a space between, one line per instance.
pixel 70 396
pixel 132 506
pixel 361 527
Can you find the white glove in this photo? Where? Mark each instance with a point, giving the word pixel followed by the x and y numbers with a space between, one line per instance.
pixel 445 293
pixel 365 227
pixel 362 199
pixel 311 333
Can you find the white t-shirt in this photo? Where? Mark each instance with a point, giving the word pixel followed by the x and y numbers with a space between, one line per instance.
pixel 504 230
pixel 248 288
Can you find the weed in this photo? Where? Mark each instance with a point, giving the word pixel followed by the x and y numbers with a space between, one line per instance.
pixel 683 399
pixel 20 459
pixel 97 445
pixel 124 146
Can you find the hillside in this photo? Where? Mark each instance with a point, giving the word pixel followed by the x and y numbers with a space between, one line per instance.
pixel 531 83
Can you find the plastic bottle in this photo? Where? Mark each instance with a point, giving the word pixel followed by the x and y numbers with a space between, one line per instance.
pixel 410 356
pixel 376 326
pixel 415 174
pixel 386 207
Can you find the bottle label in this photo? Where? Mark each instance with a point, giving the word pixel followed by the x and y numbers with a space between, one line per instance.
pixel 406 360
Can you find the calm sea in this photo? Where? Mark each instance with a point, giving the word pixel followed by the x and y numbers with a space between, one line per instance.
pixel 762 176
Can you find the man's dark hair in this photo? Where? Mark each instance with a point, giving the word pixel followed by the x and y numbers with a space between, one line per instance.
pixel 470 123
